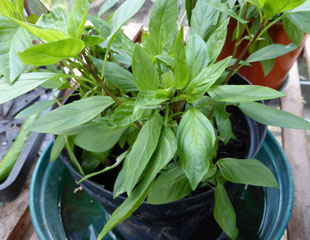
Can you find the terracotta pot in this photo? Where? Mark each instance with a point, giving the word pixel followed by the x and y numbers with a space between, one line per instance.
pixel 255 74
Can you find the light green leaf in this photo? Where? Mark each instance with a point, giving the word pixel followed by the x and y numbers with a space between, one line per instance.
pixel 145 75
pixel 224 212
pixel 25 83
pixel 116 75
pixel 96 138
pixel 48 35
pixel 163 154
pixel 294 33
pixel 163 25
pixel 126 11
pixel 13 39
pixel 216 41
pixel 196 138
pixel 92 40
pixel 203 19
pixel 180 67
pixel 7 8
pixel 106 6
pixel 205 79
pixel 58 146
pixel 272 7
pixel 37 7
pixel 77 18
pixel 35 109
pixel 271 116
pixel 167 79
pixel 142 151
pixel 170 186
pixel 301 20
pixel 56 19
pixel 270 52
pixel 53 52
pixel 243 93
pixel 246 171
pixel 197 56
pixel 223 123
pixel 147 98
pixel 166 59
pixel 102 27
pixel 71 115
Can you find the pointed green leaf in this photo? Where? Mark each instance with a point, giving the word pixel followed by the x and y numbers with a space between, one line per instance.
pixel 97 138
pixel 35 109
pixel 170 186
pixel 270 52
pixel 196 138
pixel 246 171
pixel 167 79
pixel 197 56
pixel 301 20
pixel 217 40
pixel 272 8
pixel 7 8
pixel 205 79
pixel 58 146
pixel 71 115
pixel 224 212
pixel 106 6
pixel 25 83
pixel 180 67
pixel 243 93
pixel 77 18
pixel 13 39
pixel 145 75
pixel 56 19
pixel 142 151
pixel 271 116
pixel 163 25
pixel 147 98
pixel 166 59
pixel 163 154
pixel 53 52
pixel 294 33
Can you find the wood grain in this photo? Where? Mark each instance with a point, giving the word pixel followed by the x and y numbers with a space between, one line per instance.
pixel 295 146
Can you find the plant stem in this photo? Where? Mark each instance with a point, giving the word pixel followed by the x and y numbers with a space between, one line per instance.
pixel 244 52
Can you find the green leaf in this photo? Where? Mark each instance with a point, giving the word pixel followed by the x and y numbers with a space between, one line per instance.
pixel 246 171
pixel 224 212
pixel 271 116
pixel 301 20
pixel 142 151
pixel 163 25
pixel 147 98
pixel 58 146
pixel 243 93
pixel 97 138
pixel 77 18
pixel 270 52
pixel 91 41
pixel 196 138
pixel 102 27
pixel 57 19
pixel 205 79
pixel 163 154
pixel 180 67
pixel 126 11
pixel 37 7
pixel 167 79
pixel 203 19
pixel 216 41
pixel 223 123
pixel 106 6
pixel 224 8
pixel 294 33
pixel 25 83
pixel 145 75
pixel 13 39
pixel 53 52
pixel 197 56
pixel 71 115
pixel 48 35
pixel 35 109
pixel 170 186
pixel 166 59
pixel 272 8
pixel 7 8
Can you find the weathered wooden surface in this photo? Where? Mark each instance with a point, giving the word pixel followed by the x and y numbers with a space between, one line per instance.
pixel 295 146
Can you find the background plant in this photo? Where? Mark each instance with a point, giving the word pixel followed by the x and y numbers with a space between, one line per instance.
pixel 162 103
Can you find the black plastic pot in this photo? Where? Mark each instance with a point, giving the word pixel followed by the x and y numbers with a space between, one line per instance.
pixel 189 218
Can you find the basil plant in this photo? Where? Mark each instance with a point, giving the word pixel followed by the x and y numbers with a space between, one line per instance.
pixel 162 102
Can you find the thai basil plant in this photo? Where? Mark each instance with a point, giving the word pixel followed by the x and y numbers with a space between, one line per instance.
pixel 162 102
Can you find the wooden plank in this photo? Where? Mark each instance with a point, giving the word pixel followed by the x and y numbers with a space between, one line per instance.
pixel 295 146
pixel 12 213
